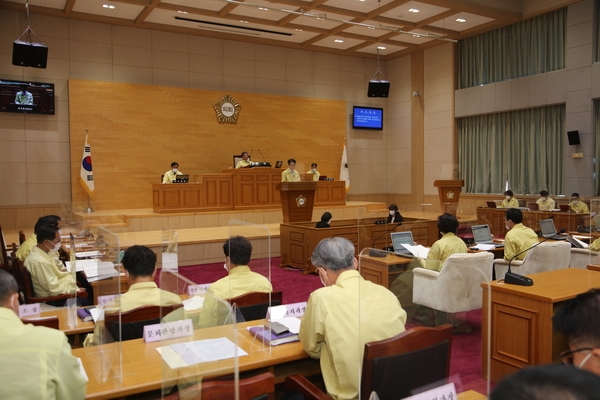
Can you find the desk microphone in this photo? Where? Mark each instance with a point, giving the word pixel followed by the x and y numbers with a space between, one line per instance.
pixel 516 279
pixel 261 154
pixel 388 230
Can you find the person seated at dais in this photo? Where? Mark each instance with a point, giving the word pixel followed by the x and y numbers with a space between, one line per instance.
pixel 519 237
pixel 244 162
pixel 394 216
pixel 509 200
pixel 26 247
pixel 36 362
pixel 290 174
pixel 545 203
pixel 240 280
pixel 577 205
pixel 325 221
pixel 313 170
pixel 171 175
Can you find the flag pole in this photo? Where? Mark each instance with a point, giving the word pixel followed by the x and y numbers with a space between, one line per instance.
pixel 88 209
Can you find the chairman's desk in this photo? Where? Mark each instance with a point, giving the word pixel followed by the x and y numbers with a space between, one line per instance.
pixel 236 189
pixel 496 217
pixel 521 319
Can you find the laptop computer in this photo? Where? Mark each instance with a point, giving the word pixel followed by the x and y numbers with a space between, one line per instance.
pixel 182 178
pixel 565 208
pixel 482 235
pixel 399 238
pixel 491 204
pixel 549 230
pixel 323 177
pixel 278 164
pixel 533 206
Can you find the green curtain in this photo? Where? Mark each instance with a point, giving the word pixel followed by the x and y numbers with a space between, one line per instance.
pixel 527 48
pixel 522 147
pixel 597 152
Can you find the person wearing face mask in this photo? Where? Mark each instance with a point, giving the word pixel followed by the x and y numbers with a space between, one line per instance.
pixel 25 247
pixel 545 203
pixel 48 274
pixel 519 237
pixel 313 170
pixel 509 200
pixel 344 315
pixel 394 217
pixel 577 319
pixel 577 205
pixel 171 174
pixel 240 280
pixel 244 162
pixel 325 221
pixel 36 361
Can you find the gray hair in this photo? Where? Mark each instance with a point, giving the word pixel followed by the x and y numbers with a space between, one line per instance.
pixel 334 253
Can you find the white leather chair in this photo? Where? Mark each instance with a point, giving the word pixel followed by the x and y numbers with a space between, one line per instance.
pixel 580 258
pixel 457 287
pixel 547 256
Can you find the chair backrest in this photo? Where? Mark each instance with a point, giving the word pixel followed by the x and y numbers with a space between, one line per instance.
pixel 4 250
pixel 237 159
pixel 26 282
pixel 21 237
pixel 48 322
pixel 133 321
pixel 254 388
pixel 416 358
pixel 254 305
pixel 547 256
pixel 581 258
pixel 16 269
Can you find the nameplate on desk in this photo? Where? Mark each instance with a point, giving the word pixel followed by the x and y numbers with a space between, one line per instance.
pixel 29 310
pixel 168 330
pixel 104 300
pixel 445 392
pixel 170 262
pixel 287 310
pixel 194 290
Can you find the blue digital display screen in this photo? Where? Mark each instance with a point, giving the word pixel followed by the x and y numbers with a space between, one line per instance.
pixel 367 118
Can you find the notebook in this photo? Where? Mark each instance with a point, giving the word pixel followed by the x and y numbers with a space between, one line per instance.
pixel 491 204
pixel 182 178
pixel 400 238
pixel 482 235
pixel 549 230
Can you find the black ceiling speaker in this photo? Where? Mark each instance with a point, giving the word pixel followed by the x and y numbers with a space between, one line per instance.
pixel 27 54
pixel 573 137
pixel 378 89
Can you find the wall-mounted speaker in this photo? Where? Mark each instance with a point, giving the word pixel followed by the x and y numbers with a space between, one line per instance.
pixel 573 137
pixel 378 89
pixel 26 54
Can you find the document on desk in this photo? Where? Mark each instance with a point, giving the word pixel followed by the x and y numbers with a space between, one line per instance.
pixel 485 247
pixel 417 251
pixel 201 351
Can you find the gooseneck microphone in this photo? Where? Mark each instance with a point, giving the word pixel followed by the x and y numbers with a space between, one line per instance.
pixel 388 230
pixel 261 154
pixel 516 279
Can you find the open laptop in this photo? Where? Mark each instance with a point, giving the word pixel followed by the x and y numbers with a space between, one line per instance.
pixel 565 208
pixel 182 178
pixel 549 230
pixel 400 238
pixel 278 164
pixel 323 177
pixel 491 204
pixel 482 235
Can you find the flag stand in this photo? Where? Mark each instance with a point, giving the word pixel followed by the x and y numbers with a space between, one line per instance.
pixel 88 209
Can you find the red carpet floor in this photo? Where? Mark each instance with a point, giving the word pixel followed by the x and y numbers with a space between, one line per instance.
pixel 465 365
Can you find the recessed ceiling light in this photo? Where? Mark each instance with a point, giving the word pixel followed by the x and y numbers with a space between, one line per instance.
pixel 381 47
pixel 371 27
pixel 414 10
pixel 299 30
pixel 243 22
pixel 416 35
pixel 263 8
pixel 461 20
pixel 338 41
pixel 182 12
pixel 109 6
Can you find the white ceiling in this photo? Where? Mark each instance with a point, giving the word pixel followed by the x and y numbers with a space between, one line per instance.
pixel 349 27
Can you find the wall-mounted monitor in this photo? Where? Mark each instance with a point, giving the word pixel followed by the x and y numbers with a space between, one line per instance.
pixel 26 97
pixel 367 118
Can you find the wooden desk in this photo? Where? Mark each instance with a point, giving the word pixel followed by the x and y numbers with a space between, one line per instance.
pixel 63 322
pixel 382 270
pixel 144 370
pixel 495 218
pixel 521 319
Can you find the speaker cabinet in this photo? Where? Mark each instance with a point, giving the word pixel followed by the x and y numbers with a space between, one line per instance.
pixel 573 137
pixel 27 54
pixel 378 89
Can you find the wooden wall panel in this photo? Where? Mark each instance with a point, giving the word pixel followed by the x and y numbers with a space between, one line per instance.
pixel 136 131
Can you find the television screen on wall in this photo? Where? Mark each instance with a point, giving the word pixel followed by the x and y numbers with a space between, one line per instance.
pixel 26 97
pixel 367 118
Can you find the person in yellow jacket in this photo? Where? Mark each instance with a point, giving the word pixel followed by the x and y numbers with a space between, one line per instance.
pixel 509 200
pixel 577 205
pixel 290 174
pixel 313 170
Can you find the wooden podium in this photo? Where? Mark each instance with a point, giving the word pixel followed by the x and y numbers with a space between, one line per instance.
pixel 449 193
pixel 297 200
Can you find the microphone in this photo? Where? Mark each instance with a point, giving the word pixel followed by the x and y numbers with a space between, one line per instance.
pixel 261 154
pixel 516 279
pixel 385 233
pixel 250 156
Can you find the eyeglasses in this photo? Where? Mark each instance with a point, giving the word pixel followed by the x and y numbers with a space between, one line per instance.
pixel 567 356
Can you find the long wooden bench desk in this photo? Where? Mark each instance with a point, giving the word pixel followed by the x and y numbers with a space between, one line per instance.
pixel 144 369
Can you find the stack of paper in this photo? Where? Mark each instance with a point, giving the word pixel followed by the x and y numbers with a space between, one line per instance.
pixel 95 269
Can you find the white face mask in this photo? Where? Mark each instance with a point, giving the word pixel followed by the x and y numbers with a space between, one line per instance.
pixel 329 222
pixel 55 247
pixel 507 227
pixel 544 198
pixel 575 201
pixel 322 281
pixel 174 170
pixel 314 170
pixel 507 197
pixel 225 266
pixel 392 212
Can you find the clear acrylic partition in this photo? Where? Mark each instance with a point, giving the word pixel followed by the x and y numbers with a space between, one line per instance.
pixel 169 250
pixel 103 269
pixel 197 352
pixel 70 221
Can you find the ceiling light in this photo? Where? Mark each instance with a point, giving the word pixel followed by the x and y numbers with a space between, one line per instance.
pixel 299 30
pixel 182 12
pixel 338 41
pixel 243 22
pixel 263 8
pixel 414 10
pixel 109 6
pixel 461 20
pixel 381 47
